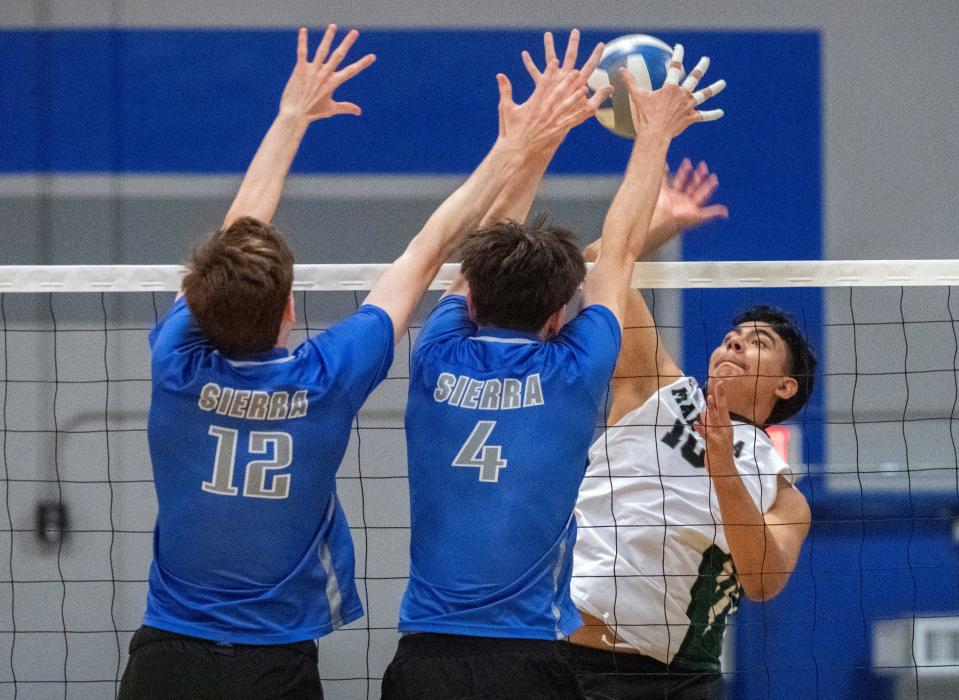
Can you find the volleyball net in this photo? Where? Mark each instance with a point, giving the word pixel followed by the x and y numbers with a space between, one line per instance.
pixel 876 449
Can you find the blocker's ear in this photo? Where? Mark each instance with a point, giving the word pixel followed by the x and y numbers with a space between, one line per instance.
pixel 556 322
pixel 470 309
pixel 787 388
pixel 289 311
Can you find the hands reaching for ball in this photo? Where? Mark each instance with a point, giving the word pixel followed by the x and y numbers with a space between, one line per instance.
pixel 669 110
pixel 560 100
pixel 308 94
pixel 569 58
pixel 684 201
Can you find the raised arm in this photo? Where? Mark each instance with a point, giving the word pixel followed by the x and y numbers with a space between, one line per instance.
pixel 683 204
pixel 307 97
pixel 645 364
pixel 558 102
pixel 764 547
pixel 658 117
pixel 516 197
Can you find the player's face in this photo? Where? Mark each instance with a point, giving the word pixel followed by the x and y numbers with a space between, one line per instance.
pixel 751 361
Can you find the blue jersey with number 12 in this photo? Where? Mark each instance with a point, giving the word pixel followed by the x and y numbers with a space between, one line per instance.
pixel 251 545
pixel 498 425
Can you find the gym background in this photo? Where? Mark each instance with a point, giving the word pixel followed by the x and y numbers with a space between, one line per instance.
pixel 127 125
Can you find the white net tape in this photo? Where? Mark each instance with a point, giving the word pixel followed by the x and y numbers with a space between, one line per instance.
pixel 648 275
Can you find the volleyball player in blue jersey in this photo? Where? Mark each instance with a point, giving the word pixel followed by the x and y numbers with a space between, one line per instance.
pixel 503 403
pixel 252 553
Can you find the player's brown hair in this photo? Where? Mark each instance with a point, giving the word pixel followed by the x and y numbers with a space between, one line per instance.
pixel 237 286
pixel 521 274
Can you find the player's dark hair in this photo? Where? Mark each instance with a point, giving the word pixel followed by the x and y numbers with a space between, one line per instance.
pixel 801 362
pixel 521 274
pixel 237 286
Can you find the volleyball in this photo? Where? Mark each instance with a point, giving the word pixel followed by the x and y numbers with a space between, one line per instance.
pixel 645 57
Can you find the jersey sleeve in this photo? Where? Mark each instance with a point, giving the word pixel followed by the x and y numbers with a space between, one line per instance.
pixel 760 466
pixel 356 352
pixel 770 466
pixel 593 339
pixel 176 338
pixel 450 318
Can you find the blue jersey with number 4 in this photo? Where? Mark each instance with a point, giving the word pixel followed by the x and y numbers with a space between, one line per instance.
pixel 498 425
pixel 251 545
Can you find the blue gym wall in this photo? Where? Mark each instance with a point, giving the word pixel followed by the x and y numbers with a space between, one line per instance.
pixel 197 101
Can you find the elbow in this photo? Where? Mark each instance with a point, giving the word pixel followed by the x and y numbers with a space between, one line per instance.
pixel 759 595
pixel 637 247
pixel 591 252
pixel 761 588
pixel 429 251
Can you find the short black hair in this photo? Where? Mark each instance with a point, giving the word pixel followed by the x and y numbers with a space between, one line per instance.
pixel 521 274
pixel 801 363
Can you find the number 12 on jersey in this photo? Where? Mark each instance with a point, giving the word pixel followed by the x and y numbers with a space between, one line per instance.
pixel 254 481
pixel 477 454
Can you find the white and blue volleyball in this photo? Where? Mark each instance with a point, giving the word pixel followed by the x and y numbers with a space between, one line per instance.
pixel 645 57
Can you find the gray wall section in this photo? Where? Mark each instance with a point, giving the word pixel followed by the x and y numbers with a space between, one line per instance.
pixel 892 392
pixel 83 230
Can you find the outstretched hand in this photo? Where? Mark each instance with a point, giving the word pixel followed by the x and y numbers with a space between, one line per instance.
pixel 683 202
pixel 569 57
pixel 308 93
pixel 715 425
pixel 672 108
pixel 559 101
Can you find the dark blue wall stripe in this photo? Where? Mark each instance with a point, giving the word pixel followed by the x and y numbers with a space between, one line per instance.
pixel 199 100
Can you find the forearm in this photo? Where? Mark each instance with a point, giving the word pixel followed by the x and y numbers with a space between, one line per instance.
pixel 262 186
pixel 469 204
pixel 516 198
pixel 399 290
pixel 662 229
pixel 761 565
pixel 626 225
pixel 462 211
pixel 666 224
pixel 627 222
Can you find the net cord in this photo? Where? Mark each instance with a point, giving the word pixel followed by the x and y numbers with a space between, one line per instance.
pixel 647 275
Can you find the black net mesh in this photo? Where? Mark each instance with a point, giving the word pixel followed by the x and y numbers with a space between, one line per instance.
pixel 876 450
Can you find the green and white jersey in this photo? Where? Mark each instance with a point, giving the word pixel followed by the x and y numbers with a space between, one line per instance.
pixel 651 557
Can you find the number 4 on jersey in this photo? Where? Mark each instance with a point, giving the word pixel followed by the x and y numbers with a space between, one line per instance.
pixel 477 454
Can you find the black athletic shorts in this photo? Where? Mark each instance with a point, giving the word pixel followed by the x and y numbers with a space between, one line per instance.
pixel 610 675
pixel 167 665
pixel 446 666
